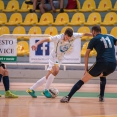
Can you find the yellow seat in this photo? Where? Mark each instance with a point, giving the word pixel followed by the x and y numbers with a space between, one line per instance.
pixel 114 31
pixel 19 30
pixel 84 29
pixel 73 10
pixel 104 5
pixel 22 48
pixel 93 19
pixel 3 18
pixel 1 5
pixel 25 7
pixel 115 7
pixel 30 19
pixel 88 5
pixel 34 30
pixel 84 48
pixel 103 30
pixel 4 30
pixel 15 19
pixel 110 19
pixel 77 19
pixel 51 31
pixel 46 19
pixel 12 6
pixel 64 28
pixel 61 19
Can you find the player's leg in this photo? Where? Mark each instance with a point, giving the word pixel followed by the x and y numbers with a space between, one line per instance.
pixel 102 88
pixel 6 83
pixel 76 87
pixel 1 74
pixel 50 77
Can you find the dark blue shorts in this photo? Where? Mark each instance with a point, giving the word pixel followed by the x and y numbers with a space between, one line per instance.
pixel 102 67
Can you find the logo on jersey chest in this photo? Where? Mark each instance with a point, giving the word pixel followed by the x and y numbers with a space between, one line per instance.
pixel 64 48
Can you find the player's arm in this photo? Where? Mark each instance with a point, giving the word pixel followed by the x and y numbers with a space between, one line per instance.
pixel 86 58
pixel 34 47
pixel 87 34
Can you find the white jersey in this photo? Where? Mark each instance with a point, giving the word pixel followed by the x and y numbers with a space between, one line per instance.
pixel 61 46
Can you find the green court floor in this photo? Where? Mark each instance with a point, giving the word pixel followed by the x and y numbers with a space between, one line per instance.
pixel 78 94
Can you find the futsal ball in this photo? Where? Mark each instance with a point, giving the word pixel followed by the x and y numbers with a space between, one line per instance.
pixel 54 92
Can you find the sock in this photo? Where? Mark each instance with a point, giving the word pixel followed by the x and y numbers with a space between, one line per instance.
pixel 0 77
pixel 6 82
pixel 38 83
pixel 102 85
pixel 49 81
pixel 75 88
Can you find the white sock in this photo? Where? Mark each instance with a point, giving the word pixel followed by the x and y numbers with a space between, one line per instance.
pixel 49 81
pixel 38 83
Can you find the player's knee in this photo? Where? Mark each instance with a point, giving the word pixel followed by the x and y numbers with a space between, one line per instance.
pixel 2 70
pixel 55 72
pixel 5 73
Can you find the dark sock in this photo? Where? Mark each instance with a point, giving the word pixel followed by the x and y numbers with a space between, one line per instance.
pixel 102 85
pixel 0 77
pixel 6 82
pixel 61 10
pixel 75 88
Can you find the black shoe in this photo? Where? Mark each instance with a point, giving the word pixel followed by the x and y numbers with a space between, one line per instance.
pixel 61 10
pixel 101 99
pixel 65 99
pixel 29 2
pixel 32 11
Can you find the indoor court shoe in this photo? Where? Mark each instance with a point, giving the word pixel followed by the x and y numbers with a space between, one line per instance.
pixel 101 99
pixel 65 99
pixel 8 94
pixel 32 93
pixel 47 94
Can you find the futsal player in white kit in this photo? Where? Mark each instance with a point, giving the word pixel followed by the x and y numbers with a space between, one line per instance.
pixel 62 44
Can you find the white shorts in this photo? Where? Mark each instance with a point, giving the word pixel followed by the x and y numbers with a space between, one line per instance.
pixel 53 62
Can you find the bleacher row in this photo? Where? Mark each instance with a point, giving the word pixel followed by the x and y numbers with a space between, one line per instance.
pixel 88 5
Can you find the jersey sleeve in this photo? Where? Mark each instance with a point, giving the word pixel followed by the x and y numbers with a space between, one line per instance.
pixel 91 44
pixel 55 38
pixel 77 35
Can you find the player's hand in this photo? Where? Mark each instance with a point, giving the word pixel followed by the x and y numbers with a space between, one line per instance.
pixel 34 47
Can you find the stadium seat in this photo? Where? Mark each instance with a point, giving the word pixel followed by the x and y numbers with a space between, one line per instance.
pixel 19 30
pixel 22 48
pixel 88 5
pixel 34 30
pixel 15 19
pixel 114 31
pixel 115 7
pixel 3 18
pixel 46 19
pixel 103 30
pixel 25 7
pixel 84 48
pixel 64 28
pixel 61 19
pixel 1 5
pixel 104 5
pixel 51 31
pixel 30 19
pixel 77 19
pixel 110 19
pixel 12 6
pixel 93 19
pixel 4 30
pixel 84 29
pixel 73 10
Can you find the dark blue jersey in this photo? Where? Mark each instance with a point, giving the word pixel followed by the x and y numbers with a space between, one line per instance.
pixel 104 46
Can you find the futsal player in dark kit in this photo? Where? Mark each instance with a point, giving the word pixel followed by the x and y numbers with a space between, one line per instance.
pixel 105 62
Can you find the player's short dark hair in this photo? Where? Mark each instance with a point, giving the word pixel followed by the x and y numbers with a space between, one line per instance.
pixel 69 32
pixel 96 28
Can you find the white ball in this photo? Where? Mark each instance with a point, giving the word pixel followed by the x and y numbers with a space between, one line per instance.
pixel 54 92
